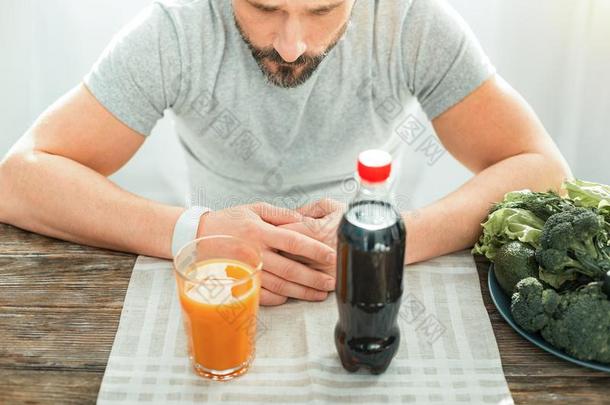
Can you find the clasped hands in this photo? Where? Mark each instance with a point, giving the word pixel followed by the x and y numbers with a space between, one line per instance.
pixel 297 246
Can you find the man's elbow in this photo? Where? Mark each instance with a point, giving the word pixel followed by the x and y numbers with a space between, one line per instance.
pixel 5 193
pixel 555 171
pixel 11 167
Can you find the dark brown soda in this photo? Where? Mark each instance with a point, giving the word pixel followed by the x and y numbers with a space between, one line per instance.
pixel 369 289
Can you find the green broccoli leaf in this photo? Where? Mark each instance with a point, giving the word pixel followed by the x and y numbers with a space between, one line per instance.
pixel 590 195
pixel 555 280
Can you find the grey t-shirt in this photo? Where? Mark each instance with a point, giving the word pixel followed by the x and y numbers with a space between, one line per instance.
pixel 247 140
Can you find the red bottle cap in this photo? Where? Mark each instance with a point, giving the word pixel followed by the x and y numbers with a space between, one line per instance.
pixel 374 166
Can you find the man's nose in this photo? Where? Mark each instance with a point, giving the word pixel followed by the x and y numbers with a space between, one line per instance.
pixel 289 42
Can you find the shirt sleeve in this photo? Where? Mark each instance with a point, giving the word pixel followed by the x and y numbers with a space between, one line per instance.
pixel 443 60
pixel 138 76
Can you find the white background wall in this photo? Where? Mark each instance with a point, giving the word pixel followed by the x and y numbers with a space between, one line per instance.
pixel 555 52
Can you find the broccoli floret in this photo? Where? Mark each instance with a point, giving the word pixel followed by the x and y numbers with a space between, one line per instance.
pixel 532 304
pixel 550 300
pixel 574 240
pixel 587 224
pixel 514 262
pixel 574 228
pixel 577 321
pixel 556 261
pixel 581 324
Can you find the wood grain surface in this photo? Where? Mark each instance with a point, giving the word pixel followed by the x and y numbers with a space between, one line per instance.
pixel 60 305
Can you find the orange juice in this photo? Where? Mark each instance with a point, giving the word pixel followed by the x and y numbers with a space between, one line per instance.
pixel 219 300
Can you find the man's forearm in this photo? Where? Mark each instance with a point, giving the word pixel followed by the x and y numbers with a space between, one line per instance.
pixel 453 223
pixel 58 197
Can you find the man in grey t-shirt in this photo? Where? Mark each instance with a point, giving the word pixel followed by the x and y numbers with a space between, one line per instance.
pixel 272 100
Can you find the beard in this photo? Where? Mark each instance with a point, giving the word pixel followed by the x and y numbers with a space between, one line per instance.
pixel 287 74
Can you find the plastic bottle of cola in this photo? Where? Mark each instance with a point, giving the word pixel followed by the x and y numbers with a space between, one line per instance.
pixel 370 262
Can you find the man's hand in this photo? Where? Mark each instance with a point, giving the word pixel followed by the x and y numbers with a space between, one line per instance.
pixel 282 277
pixel 320 221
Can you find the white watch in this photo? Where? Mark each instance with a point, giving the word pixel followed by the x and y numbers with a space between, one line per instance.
pixel 186 227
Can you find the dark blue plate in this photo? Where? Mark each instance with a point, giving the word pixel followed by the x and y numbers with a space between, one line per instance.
pixel 502 302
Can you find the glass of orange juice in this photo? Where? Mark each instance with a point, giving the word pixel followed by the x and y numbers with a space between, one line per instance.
pixel 218 281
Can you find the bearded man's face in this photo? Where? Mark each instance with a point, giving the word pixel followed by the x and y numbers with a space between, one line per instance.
pixel 290 38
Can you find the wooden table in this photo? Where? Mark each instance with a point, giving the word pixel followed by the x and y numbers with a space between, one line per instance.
pixel 60 305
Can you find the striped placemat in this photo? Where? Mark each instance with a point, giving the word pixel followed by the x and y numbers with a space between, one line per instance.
pixel 448 352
